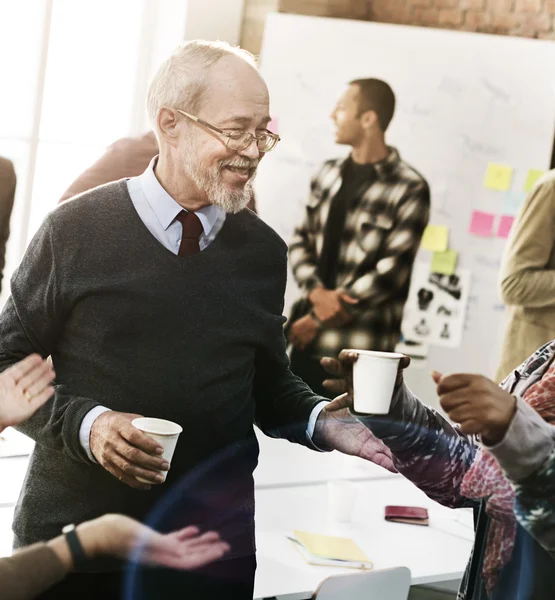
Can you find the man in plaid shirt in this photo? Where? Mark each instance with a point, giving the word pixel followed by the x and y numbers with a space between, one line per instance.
pixel 352 255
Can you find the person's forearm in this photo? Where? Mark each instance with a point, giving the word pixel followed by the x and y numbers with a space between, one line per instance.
pixel 61 550
pixel 427 449
pixel 29 572
pixel 531 288
pixel 526 444
pixel 89 535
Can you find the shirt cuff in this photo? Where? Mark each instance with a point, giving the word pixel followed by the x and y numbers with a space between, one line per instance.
pixel 526 445
pixel 312 424
pixel 85 429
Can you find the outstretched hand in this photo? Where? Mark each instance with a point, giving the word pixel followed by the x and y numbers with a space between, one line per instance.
pixel 24 388
pixel 339 430
pixel 123 537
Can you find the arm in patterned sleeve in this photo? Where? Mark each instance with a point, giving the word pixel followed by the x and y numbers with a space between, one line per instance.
pixel 392 270
pixel 527 455
pixel 426 448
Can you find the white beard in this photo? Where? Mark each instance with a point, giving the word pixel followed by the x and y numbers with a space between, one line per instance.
pixel 210 182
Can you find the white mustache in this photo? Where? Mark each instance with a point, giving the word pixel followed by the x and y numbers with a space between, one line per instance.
pixel 240 163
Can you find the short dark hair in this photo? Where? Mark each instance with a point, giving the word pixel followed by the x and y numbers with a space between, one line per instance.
pixel 376 95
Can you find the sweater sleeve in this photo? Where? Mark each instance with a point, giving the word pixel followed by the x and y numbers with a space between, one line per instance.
pixel 29 572
pixel 426 448
pixel 33 320
pixel 526 279
pixel 283 402
pixel 527 455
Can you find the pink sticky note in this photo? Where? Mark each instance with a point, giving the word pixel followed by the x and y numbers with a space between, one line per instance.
pixel 481 223
pixel 273 125
pixel 505 225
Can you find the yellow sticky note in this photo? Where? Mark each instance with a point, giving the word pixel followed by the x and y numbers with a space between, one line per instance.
pixel 436 238
pixel 445 262
pixel 498 177
pixel 532 179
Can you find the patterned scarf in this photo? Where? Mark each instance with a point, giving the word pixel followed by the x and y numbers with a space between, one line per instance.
pixel 486 479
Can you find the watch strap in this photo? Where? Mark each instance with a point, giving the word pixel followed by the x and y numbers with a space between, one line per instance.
pixel 77 553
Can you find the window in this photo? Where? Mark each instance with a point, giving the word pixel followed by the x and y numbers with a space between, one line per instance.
pixel 77 75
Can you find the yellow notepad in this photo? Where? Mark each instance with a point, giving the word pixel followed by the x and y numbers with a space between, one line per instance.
pixel 318 549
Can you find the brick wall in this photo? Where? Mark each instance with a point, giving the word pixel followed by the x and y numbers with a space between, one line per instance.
pixel 529 18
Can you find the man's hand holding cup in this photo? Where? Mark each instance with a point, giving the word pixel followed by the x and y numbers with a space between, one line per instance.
pixel 127 452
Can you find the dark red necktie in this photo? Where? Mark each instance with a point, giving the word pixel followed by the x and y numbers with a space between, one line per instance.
pixel 192 228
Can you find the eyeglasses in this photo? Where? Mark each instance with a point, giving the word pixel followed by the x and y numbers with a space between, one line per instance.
pixel 266 141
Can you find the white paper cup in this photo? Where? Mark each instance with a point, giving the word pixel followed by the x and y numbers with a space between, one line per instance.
pixel 341 500
pixel 164 432
pixel 374 375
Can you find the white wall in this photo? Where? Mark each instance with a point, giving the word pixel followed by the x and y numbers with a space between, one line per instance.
pixel 215 20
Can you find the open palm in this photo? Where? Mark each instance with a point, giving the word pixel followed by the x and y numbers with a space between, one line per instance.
pixel 24 388
pixel 184 549
pixel 341 431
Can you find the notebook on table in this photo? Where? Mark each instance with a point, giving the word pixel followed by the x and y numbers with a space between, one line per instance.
pixel 329 551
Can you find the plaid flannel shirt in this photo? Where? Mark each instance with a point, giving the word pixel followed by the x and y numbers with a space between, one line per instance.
pixel 382 234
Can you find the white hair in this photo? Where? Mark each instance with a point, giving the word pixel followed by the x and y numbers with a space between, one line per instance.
pixel 181 79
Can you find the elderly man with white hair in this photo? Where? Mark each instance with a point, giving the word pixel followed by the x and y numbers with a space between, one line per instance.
pixel 162 295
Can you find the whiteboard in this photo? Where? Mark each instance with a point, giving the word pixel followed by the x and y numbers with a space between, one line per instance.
pixel 463 100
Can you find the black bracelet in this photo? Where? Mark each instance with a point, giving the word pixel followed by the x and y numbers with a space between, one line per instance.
pixel 77 553
pixel 313 315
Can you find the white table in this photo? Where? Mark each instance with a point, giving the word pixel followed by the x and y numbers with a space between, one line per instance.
pixel 283 463
pixel 284 501
pixel 434 554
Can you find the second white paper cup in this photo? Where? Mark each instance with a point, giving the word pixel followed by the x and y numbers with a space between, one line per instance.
pixel 374 375
pixel 166 433
pixel 341 500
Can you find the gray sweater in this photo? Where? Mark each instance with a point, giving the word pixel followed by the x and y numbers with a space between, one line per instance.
pixel 131 326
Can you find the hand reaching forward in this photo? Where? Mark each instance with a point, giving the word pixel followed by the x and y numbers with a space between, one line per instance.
pixel 339 430
pixel 123 537
pixel 24 388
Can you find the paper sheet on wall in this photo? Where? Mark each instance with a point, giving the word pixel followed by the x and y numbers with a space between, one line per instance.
pixel 512 201
pixel 532 179
pixel 417 351
pixel 436 307
pixel 498 177
pixel 481 223
pixel 435 238
pixel 505 225
pixel 445 262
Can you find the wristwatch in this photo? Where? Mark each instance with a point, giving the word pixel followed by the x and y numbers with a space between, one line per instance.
pixel 315 318
pixel 77 553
